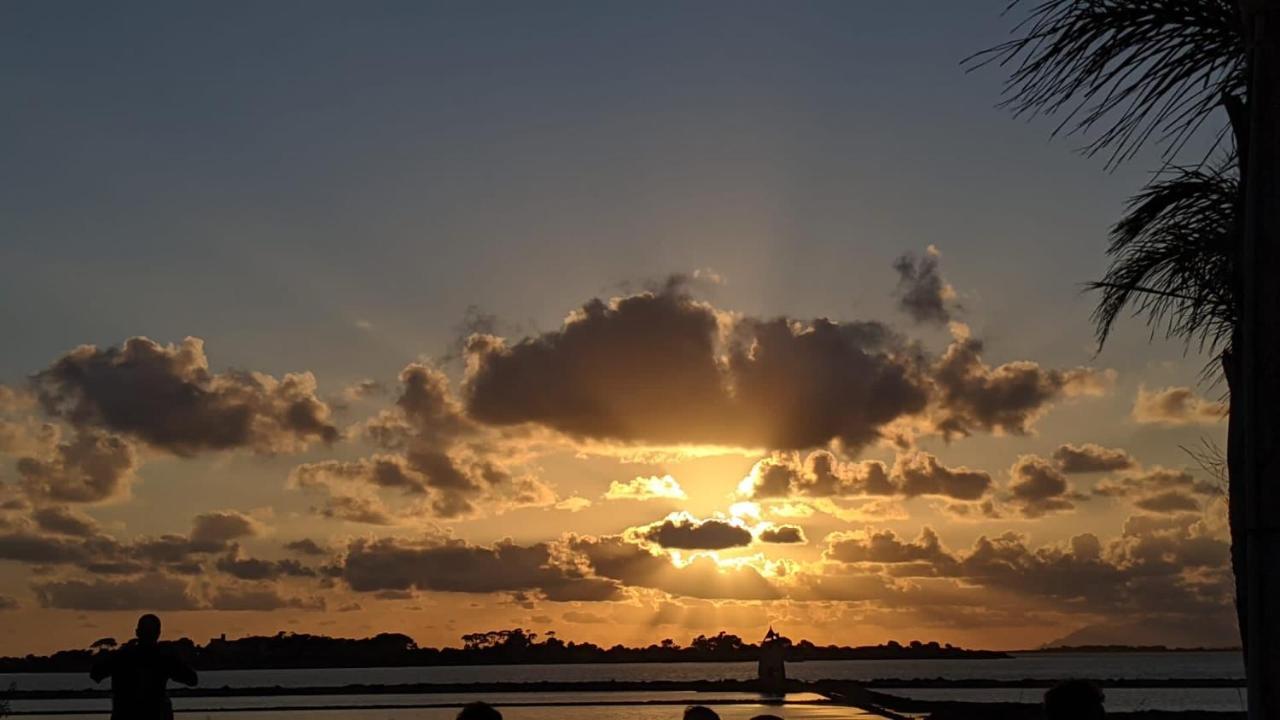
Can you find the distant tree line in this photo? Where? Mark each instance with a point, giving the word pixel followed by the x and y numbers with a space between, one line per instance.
pixel 497 647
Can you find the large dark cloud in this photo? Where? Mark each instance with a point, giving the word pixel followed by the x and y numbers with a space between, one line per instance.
pixel 455 566
pixel 685 532
pixel 922 293
pixel 148 592
pixel 166 396
pixel 662 368
pixel 1091 458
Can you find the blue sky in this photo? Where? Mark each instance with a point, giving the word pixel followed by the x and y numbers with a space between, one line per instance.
pixel 280 172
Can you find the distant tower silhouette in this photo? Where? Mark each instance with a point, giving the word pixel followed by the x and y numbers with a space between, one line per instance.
pixel 772 669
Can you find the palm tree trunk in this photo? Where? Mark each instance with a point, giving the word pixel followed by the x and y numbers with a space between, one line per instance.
pixel 1236 502
pixel 1259 397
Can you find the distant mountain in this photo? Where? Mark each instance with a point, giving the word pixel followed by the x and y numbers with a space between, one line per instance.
pixel 1209 632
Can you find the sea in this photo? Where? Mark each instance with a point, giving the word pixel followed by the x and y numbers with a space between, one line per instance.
pixel 1189 666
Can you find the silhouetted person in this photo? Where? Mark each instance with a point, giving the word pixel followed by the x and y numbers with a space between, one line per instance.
pixel 700 712
pixel 140 671
pixel 1074 700
pixel 479 711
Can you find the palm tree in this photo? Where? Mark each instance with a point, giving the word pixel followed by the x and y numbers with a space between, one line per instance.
pixel 1191 253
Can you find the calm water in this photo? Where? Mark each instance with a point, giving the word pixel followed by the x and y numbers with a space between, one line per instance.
pixel 1024 666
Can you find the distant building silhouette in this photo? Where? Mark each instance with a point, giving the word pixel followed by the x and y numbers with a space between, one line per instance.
pixel 771 670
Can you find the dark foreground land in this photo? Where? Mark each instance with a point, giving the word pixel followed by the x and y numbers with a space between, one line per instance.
pixel 836 693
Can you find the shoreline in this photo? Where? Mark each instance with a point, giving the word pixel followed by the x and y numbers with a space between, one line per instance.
pixel 750 686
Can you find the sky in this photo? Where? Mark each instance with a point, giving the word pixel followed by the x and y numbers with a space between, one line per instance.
pixel 623 321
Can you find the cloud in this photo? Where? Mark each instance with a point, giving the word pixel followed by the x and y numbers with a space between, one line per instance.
pixel 65 521
pixel 1091 458
pixel 575 503
pixel 25 547
pixel 14 400
pixel 1169 501
pixel 661 368
pixel 92 467
pixel 1037 487
pixel 920 473
pixel 646 488
pixel 166 396
pixel 782 534
pixel 79 543
pixel 441 565
pixel 1008 398
pixel 245 568
pixel 305 546
pixel 820 475
pixel 1156 566
pixel 362 389
pixel 886 547
pixel 148 592
pixel 243 598
pixel 222 526
pixel 680 530
pixel 922 293
pixel 1159 490
pixel 582 617
pixel 702 577
pixel 1175 406
pixel 446 465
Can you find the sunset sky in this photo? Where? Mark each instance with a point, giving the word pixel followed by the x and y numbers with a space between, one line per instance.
pixel 626 321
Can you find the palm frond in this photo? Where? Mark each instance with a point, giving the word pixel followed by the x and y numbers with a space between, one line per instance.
pixel 1172 258
pixel 1131 70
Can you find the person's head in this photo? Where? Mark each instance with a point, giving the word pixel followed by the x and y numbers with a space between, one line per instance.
pixel 1074 700
pixel 479 711
pixel 148 629
pixel 700 712
pixel 765 717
